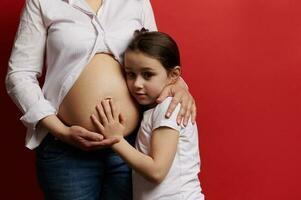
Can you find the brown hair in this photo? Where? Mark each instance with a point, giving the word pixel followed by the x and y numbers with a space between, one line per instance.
pixel 157 45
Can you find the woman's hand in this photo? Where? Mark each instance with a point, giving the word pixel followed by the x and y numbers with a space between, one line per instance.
pixel 111 123
pixel 179 92
pixel 86 140
pixel 75 135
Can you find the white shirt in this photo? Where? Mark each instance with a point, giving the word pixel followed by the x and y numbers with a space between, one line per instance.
pixel 68 33
pixel 181 182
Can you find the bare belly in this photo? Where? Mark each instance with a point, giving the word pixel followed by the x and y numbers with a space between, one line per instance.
pixel 100 79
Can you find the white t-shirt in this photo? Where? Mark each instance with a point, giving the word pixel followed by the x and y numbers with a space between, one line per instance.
pixel 69 33
pixel 181 182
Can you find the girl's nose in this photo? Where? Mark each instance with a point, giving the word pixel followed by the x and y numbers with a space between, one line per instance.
pixel 138 82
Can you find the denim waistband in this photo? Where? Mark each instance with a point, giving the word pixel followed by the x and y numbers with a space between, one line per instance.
pixel 49 137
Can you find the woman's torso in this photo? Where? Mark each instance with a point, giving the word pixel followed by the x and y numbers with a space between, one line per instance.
pixel 80 34
pixel 68 34
pixel 101 78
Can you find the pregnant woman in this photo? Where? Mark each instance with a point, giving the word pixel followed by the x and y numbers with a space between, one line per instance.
pixel 80 43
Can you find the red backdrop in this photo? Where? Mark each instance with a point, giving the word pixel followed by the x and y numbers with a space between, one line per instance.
pixel 241 59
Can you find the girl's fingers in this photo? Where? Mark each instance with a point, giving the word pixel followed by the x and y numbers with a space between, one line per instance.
pixel 97 123
pixel 113 109
pixel 121 119
pixel 102 116
pixel 107 109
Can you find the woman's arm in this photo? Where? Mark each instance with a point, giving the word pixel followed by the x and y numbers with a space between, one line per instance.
pixel 26 66
pixel 148 18
pixel 164 140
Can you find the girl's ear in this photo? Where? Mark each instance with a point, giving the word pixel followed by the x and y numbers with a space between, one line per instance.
pixel 174 74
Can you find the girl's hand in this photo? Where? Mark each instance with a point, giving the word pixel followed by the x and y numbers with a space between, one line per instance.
pixel 111 123
pixel 179 92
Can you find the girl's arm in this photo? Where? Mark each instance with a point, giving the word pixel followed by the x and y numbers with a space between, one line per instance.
pixel 156 165
pixel 163 146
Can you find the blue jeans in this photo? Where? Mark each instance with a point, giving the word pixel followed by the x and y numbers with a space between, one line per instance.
pixel 67 173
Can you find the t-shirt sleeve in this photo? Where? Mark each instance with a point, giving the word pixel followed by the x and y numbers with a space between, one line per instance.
pixel 148 18
pixel 159 119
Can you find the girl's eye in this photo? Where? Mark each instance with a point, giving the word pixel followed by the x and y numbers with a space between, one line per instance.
pixel 147 75
pixel 130 75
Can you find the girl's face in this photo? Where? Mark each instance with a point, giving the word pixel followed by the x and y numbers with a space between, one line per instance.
pixel 145 77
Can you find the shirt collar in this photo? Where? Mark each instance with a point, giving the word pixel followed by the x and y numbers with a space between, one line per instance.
pixel 81 5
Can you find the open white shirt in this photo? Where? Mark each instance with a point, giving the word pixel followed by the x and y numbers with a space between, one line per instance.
pixel 64 35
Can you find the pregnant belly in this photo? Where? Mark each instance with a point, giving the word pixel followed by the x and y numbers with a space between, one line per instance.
pixel 100 79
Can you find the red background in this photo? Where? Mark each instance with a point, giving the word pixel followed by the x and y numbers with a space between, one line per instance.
pixel 241 59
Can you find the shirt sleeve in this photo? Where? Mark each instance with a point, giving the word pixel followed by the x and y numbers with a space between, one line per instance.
pixel 159 119
pixel 25 66
pixel 148 16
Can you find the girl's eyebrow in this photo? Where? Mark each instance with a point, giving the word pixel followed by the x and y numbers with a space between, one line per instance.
pixel 126 67
pixel 142 68
pixel 147 68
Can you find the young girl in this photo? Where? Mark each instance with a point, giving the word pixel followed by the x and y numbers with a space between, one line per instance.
pixel 166 158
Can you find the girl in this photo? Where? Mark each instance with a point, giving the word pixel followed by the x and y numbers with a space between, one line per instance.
pixel 166 161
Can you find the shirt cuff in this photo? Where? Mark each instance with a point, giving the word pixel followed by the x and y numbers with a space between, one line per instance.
pixel 168 123
pixel 36 112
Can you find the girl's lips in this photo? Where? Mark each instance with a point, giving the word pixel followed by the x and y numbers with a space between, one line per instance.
pixel 137 93
pixel 140 95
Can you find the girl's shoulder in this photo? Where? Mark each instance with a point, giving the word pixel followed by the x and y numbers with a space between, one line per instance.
pixel 163 106
pixel 159 119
